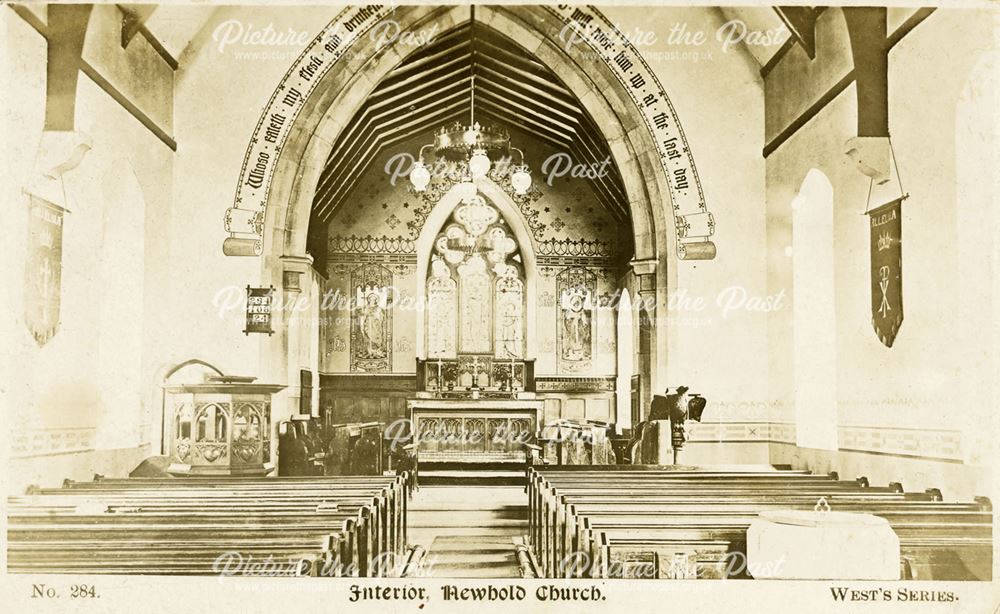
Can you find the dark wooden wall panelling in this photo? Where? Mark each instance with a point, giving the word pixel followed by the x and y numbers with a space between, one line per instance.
pixel 365 397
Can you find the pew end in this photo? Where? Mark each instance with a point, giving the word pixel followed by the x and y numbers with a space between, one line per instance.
pixel 413 560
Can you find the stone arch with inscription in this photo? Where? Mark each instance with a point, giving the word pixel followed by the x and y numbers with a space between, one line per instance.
pixel 282 166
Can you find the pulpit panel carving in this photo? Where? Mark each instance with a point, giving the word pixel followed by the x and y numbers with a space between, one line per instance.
pixel 220 428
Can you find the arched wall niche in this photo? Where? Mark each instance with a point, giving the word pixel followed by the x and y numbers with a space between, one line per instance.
pixel 813 312
pixel 978 236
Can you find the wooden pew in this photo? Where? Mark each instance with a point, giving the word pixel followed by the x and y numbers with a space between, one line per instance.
pixel 384 530
pixel 182 525
pixel 553 538
pixel 933 557
pixel 389 522
pixel 615 522
pixel 910 525
pixel 987 551
pixel 544 504
pixel 358 537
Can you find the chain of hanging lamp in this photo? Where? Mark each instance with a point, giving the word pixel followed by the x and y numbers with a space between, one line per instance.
pixel 470 145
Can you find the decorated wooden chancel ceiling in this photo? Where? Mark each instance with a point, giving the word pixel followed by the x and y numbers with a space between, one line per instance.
pixel 433 88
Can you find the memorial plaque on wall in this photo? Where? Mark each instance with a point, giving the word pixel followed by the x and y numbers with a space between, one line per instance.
pixel 259 303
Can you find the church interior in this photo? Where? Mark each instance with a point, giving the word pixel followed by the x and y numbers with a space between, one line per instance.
pixel 502 291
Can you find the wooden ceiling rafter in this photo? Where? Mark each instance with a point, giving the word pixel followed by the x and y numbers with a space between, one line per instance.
pixel 432 88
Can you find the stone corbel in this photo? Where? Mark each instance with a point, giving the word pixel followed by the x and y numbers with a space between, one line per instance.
pixel 293 267
pixel 59 151
pixel 871 155
pixel 645 272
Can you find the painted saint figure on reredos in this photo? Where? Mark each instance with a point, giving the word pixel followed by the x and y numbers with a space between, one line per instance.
pixel 371 320
pixel 577 288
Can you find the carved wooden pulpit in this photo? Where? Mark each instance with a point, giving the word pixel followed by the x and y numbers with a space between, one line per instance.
pixel 220 427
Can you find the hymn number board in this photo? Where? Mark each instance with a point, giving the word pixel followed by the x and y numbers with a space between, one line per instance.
pixel 259 303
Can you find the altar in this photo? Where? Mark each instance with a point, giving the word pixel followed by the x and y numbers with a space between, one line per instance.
pixel 473 430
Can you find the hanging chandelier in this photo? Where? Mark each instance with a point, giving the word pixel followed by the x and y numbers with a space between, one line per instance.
pixel 472 148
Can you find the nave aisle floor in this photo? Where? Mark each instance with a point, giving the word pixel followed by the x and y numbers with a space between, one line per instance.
pixel 468 531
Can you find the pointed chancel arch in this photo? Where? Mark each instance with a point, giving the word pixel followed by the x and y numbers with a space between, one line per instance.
pixel 343 92
pixel 340 94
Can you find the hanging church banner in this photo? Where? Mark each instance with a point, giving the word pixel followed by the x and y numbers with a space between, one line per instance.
pixel 577 291
pixel 887 270
pixel 371 319
pixel 694 224
pixel 259 303
pixel 43 269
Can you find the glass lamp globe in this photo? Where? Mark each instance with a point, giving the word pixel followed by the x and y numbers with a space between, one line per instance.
pixel 420 176
pixel 479 163
pixel 520 179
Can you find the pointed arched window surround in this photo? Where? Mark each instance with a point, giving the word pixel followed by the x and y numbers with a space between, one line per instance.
pixel 475 286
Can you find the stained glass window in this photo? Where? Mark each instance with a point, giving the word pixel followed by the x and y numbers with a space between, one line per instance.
pixel 475 287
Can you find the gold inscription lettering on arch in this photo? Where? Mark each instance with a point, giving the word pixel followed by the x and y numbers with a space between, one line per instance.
pixel 244 222
pixel 694 224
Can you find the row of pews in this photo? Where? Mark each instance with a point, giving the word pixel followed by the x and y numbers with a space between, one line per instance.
pixel 299 526
pixel 649 521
